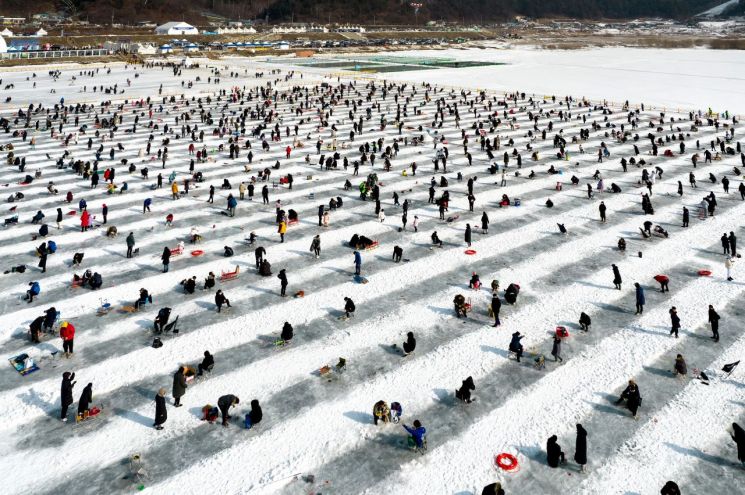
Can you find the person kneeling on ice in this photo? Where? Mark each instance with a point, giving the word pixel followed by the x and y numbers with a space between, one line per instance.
pixel 436 240
pixel 254 417
pixel 220 299
pixel 207 364
pixel 287 332
pixel 510 294
pixel 474 283
pixel 34 291
pixel 161 320
pixel 224 403
pixel 349 307
pixel 410 344
pixel 584 321
pixel 145 298
pixel 681 369
pixel 464 392
pixel 190 284
pixel 460 306
pixel 381 412
pixel 554 455
pixel 417 435
pixel 516 346
pixel 632 396
pixel 209 282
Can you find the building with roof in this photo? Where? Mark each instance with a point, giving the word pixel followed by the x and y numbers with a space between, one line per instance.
pixel 177 28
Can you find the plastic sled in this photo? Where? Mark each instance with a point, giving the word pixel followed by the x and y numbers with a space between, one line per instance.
pixel 360 279
pixel 704 273
pixel 225 276
pixel 562 332
pixel 372 246
pixel 470 252
pixel 23 364
pixel 177 251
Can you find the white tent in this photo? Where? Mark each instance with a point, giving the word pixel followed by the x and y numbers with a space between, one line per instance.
pixel 6 32
pixel 41 32
pixel 3 45
pixel 178 28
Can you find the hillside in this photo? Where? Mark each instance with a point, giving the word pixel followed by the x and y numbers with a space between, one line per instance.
pixel 362 11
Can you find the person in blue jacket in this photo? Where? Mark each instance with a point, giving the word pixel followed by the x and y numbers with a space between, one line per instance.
pixel 417 433
pixel 33 291
pixel 146 205
pixel 357 262
pixel 640 301
pixel 232 203
pixel 82 205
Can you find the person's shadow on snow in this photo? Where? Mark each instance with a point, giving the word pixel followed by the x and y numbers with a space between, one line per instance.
pixel 134 416
pixel 360 417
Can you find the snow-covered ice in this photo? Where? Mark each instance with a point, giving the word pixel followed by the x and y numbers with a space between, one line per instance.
pixel 314 425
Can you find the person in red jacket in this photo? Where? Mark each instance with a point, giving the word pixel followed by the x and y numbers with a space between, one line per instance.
pixel 85 220
pixel 288 150
pixel 67 332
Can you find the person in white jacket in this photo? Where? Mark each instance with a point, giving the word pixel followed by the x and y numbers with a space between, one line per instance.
pixel 728 265
pixel 381 216
pixel 415 223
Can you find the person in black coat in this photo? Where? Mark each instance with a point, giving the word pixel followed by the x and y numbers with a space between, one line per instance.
pixel 259 254
pixel 282 276
pixel 733 244
pixel 484 223
pixel 207 363
pixel 493 489
pixel 670 488
pixel 220 299
pixel 255 416
pixel 714 320
pixel 59 217
pixel 580 449
pixel 35 329
pixel 349 306
pixel 224 403
pixel 496 306
pixel 468 234
pixel 554 455
pixel 410 344
pixel 161 413
pixel 50 316
pixel 43 261
pixel 738 436
pixel 617 277
pixel 166 257
pixel 633 397
pixel 584 321
pixel 287 332
pixel 674 322
pixel 66 393
pixel 686 217
pixel 179 386
pixel 85 400
pixel 464 392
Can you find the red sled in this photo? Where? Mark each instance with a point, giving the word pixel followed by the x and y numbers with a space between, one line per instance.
pixel 225 276
pixel 284 180
pixel 562 332
pixel 293 222
pixel 372 246
pixel 177 250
